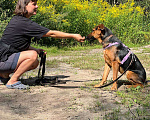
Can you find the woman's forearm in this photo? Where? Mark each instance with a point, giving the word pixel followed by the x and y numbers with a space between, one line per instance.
pixel 58 34
pixel 63 35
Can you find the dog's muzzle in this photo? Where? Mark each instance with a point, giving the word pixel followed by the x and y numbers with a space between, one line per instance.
pixel 90 38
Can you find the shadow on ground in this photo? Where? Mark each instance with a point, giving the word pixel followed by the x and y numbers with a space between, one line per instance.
pixel 54 81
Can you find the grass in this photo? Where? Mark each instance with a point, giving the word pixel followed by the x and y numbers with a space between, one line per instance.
pixel 78 57
pixel 52 63
pixel 135 96
pixel 82 62
pixel 66 51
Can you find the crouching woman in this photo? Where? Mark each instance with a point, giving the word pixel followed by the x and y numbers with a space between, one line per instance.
pixel 16 54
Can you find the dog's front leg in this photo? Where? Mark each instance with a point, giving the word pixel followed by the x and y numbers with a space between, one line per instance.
pixel 105 75
pixel 115 68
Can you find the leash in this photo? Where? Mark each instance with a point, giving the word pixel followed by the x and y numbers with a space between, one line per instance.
pixel 42 63
pixel 41 79
pixel 121 74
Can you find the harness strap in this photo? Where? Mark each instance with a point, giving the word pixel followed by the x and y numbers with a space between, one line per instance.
pixel 116 43
pixel 126 57
pixel 111 44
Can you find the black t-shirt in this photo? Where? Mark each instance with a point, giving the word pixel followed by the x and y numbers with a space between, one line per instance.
pixel 18 34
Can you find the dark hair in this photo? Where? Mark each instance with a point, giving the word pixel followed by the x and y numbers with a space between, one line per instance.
pixel 21 7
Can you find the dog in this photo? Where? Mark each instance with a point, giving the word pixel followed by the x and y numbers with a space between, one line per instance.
pixel 118 57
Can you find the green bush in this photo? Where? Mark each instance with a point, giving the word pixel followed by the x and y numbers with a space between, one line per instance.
pixel 127 20
pixel 6 12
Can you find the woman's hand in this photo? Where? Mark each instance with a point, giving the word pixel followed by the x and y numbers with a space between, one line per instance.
pixel 40 50
pixel 37 50
pixel 79 38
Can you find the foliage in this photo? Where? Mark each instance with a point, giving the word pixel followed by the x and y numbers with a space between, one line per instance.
pixel 127 20
pixel 78 16
pixel 6 11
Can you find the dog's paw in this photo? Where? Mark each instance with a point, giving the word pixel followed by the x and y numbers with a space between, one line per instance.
pixel 98 85
pixel 114 88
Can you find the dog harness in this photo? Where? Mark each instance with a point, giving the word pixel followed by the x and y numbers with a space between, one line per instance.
pixel 116 43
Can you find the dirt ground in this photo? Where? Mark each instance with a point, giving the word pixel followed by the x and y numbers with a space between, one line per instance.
pixel 69 99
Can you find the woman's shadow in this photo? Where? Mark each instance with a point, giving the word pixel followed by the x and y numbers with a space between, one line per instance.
pixel 46 80
pixel 52 81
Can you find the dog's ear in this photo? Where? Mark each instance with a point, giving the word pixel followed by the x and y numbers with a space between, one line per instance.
pixel 101 27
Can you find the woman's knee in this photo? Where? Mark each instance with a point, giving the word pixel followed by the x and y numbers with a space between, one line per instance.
pixel 33 55
pixel 30 54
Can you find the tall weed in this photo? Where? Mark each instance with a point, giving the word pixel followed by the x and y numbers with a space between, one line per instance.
pixel 78 16
pixel 127 20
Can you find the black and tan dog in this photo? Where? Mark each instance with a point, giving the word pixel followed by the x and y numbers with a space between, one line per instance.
pixel 118 56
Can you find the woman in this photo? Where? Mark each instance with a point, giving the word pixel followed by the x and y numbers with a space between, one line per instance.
pixel 16 54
